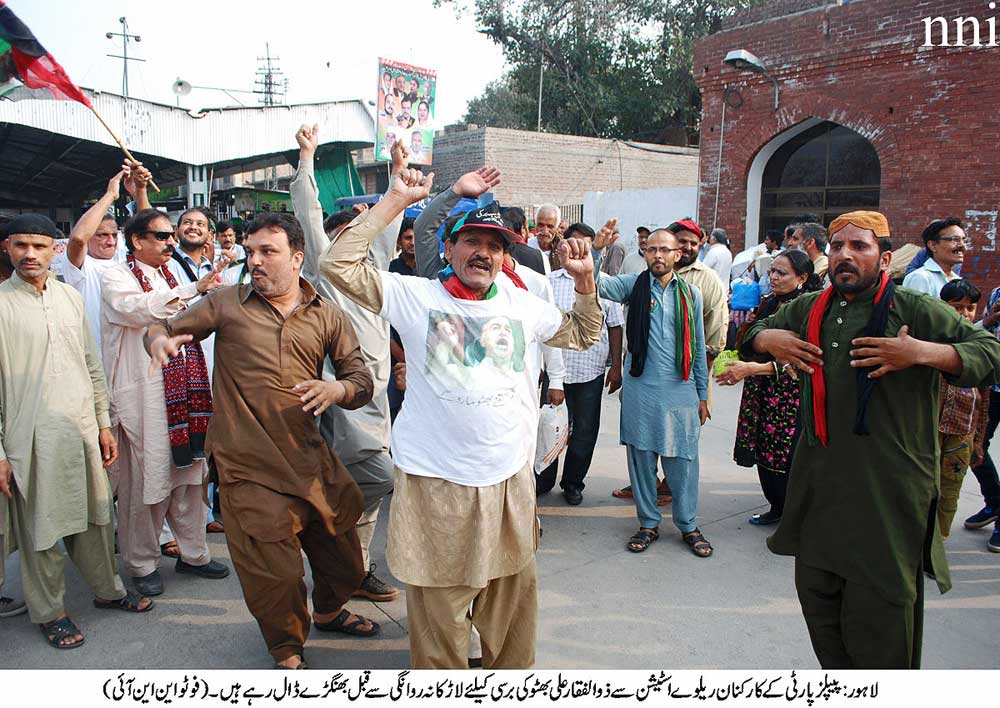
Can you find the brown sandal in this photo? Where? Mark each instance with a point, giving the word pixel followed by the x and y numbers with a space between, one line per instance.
pixel 171 549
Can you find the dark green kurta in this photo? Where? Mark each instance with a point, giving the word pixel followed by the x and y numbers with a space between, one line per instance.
pixel 864 506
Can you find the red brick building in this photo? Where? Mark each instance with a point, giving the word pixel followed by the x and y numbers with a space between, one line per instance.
pixel 868 117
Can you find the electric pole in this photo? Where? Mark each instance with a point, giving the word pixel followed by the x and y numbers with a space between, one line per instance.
pixel 126 38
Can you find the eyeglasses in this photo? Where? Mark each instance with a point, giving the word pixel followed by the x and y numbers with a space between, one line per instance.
pixel 160 235
pixel 956 239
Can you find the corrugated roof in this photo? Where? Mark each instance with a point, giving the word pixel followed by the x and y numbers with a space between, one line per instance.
pixel 207 137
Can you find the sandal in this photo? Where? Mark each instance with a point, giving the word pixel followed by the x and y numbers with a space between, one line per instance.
pixel 132 602
pixel 60 629
pixel 340 624
pixel 171 549
pixel 623 493
pixel 641 540
pixel 215 527
pixel 698 543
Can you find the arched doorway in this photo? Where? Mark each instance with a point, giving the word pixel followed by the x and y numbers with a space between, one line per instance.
pixel 825 170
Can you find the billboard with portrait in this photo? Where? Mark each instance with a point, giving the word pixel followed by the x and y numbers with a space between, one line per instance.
pixel 405 110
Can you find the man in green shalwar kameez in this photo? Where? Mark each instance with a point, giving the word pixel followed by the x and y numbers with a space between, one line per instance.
pixel 863 489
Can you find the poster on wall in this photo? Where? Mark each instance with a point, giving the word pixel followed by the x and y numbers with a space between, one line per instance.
pixel 405 110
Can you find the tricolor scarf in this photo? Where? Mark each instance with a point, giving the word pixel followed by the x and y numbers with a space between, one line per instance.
pixel 186 387
pixel 637 325
pixel 866 386
pixel 457 289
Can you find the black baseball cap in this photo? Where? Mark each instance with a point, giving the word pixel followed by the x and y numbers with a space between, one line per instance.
pixel 487 217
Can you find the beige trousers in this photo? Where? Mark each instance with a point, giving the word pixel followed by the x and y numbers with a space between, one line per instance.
pixel 43 580
pixel 505 612
pixel 139 524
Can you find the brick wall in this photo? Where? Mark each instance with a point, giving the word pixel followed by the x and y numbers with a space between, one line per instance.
pixel 931 113
pixel 545 167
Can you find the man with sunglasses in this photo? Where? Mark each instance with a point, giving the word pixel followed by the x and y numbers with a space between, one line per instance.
pixel 159 420
pixel 946 242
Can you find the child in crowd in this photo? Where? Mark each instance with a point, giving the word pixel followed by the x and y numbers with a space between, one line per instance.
pixel 962 419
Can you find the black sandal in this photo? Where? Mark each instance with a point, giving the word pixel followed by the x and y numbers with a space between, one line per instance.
pixel 641 540
pixel 129 603
pixel 57 630
pixel 340 624
pixel 698 543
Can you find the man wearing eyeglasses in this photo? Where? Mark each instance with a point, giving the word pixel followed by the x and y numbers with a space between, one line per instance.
pixel 160 420
pixel 946 242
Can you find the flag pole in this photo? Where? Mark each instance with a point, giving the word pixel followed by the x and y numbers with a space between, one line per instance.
pixel 120 143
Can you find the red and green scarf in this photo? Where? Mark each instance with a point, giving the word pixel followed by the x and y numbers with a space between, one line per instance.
pixel 458 290
pixel 186 387
pixel 640 306
pixel 814 400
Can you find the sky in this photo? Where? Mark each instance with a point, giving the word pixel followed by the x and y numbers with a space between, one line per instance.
pixel 328 50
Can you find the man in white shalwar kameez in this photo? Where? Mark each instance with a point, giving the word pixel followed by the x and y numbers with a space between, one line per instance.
pixel 150 484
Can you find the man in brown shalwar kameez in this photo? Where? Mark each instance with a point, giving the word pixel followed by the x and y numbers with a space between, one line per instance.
pixel 283 490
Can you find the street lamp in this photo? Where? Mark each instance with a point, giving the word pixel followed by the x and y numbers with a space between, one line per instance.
pixel 742 60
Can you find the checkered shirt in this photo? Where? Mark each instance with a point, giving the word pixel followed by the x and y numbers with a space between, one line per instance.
pixel 585 366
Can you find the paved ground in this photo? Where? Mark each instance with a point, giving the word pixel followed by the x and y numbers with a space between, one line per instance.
pixel 600 606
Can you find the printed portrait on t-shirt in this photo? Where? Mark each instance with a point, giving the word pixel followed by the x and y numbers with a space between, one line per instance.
pixel 474 360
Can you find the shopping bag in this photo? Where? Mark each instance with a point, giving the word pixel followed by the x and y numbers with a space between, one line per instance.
pixel 553 434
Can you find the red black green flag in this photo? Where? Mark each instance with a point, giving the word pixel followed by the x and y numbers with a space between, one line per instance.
pixel 26 69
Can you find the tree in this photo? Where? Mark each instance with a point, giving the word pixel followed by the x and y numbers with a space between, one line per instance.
pixel 612 68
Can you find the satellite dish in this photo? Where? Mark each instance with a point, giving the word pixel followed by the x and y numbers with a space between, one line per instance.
pixel 181 87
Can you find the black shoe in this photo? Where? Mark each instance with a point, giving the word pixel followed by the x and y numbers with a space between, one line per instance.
pixel 574 497
pixel 983 517
pixel 765 519
pixel 213 569
pixel 375 589
pixel 149 585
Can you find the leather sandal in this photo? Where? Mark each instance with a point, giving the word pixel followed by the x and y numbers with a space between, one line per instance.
pixel 641 540
pixel 340 624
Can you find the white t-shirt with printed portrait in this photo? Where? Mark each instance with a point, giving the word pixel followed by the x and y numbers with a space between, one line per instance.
pixel 470 415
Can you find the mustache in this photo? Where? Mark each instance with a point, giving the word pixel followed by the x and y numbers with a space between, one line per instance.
pixel 258 271
pixel 479 261
pixel 847 268
pixel 168 251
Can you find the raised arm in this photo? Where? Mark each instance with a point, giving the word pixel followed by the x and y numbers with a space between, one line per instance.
pixel 86 227
pixel 136 180
pixel 581 327
pixel 306 205
pixel 345 262
pixel 471 185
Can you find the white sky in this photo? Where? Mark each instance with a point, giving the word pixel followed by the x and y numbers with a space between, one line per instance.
pixel 217 42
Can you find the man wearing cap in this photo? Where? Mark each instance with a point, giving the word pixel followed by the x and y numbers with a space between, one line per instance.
pixel 55 438
pixel 462 528
pixel 945 241
pixel 860 517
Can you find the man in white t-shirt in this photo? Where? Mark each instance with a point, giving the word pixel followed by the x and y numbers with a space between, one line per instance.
pixel 719 258
pixel 462 527
pixel 94 244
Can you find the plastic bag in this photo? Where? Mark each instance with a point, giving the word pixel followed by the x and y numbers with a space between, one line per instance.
pixel 553 434
pixel 746 295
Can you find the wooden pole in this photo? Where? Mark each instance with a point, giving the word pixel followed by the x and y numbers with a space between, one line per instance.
pixel 120 143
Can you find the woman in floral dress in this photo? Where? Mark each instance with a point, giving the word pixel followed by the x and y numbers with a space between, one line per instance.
pixel 767 429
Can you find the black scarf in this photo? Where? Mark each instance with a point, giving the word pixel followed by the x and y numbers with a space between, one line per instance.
pixel 637 323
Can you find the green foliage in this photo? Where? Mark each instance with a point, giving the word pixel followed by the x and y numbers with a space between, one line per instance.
pixel 612 68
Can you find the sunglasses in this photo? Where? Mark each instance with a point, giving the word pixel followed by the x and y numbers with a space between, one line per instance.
pixel 160 235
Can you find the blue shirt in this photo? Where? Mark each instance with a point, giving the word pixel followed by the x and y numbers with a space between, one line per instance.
pixel 660 409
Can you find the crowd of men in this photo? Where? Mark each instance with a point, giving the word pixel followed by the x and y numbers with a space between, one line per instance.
pixel 277 385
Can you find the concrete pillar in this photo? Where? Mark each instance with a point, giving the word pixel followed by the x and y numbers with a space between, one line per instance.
pixel 198 188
